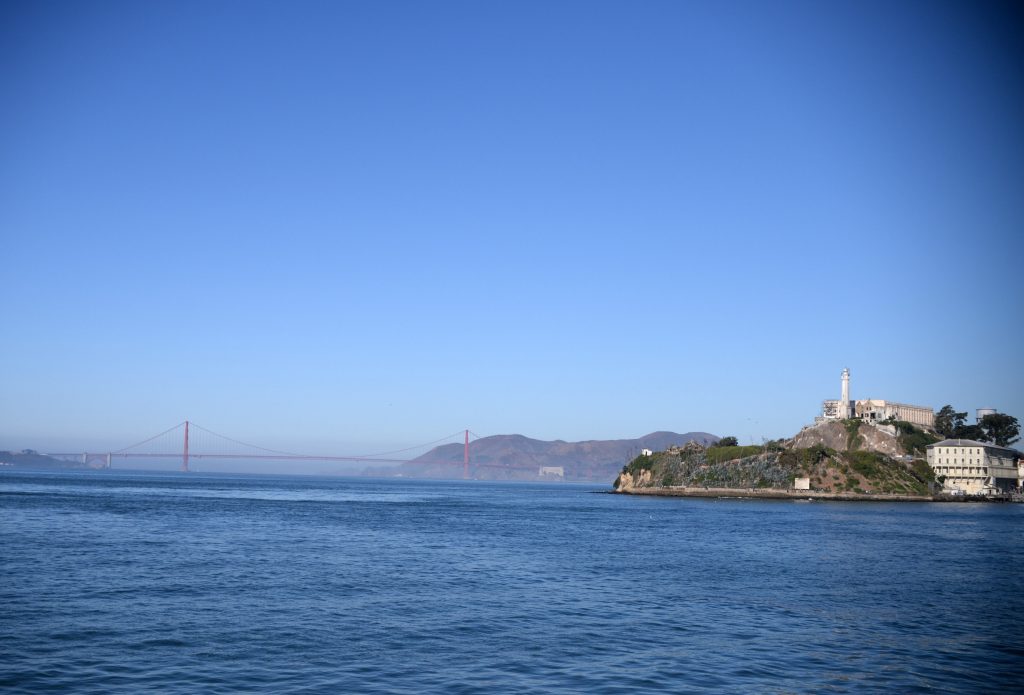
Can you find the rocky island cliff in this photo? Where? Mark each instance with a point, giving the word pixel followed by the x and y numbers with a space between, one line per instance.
pixel 843 459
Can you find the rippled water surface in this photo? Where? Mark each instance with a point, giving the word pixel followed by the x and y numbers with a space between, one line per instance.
pixel 118 582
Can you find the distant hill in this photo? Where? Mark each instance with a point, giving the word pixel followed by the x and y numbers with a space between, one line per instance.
pixel 28 458
pixel 515 457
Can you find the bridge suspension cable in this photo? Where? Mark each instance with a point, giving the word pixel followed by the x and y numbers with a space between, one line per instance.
pixel 413 448
pixel 245 444
pixel 147 441
pixel 298 455
pixel 205 443
pixel 191 440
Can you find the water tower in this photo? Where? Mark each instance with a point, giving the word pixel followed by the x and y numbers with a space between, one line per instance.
pixel 982 412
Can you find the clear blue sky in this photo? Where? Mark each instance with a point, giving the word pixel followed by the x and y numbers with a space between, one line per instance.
pixel 334 226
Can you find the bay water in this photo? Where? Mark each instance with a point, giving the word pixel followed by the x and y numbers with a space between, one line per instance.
pixel 120 582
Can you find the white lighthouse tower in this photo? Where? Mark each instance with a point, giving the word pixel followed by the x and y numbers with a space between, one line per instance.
pixel 844 404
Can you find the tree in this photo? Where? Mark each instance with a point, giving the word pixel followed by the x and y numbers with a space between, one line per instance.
pixel 727 441
pixel 948 421
pixel 1000 428
pixel 969 432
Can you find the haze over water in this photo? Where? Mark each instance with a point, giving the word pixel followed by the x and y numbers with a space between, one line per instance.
pixel 122 582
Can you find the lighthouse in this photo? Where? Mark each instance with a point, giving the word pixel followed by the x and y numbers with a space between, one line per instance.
pixel 844 403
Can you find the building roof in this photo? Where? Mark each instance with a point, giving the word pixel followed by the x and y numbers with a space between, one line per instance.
pixel 884 403
pixel 970 442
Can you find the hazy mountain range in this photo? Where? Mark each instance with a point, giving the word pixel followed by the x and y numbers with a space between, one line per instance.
pixel 515 457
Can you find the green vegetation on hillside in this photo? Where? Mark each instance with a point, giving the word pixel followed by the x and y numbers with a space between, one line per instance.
pixel 640 463
pixel 853 438
pixel 743 467
pixel 718 454
pixel 717 466
pixel 878 473
pixel 912 439
pixel 804 459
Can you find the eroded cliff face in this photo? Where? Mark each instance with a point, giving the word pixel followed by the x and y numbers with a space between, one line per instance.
pixel 835 434
pixel 628 481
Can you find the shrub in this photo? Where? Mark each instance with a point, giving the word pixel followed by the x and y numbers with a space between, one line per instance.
pixel 640 463
pixel 922 471
pixel 911 438
pixel 866 463
pixel 853 438
pixel 813 454
pixel 718 454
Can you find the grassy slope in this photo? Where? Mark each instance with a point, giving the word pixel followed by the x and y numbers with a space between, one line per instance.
pixel 753 467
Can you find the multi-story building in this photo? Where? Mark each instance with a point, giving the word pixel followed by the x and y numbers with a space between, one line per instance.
pixel 975 468
pixel 874 410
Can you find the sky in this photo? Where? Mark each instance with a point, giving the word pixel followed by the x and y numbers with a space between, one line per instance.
pixel 342 227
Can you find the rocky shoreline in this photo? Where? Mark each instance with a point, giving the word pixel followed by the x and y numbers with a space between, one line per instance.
pixel 771 494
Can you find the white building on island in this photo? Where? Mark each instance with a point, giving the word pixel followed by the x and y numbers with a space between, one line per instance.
pixel 877 410
pixel 976 468
pixel 874 410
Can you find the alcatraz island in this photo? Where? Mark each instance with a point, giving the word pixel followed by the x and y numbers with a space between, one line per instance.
pixel 855 450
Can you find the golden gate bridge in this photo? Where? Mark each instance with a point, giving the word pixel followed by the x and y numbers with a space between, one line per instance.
pixel 188 441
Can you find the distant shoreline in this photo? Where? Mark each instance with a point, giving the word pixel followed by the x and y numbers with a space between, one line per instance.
pixel 769 494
